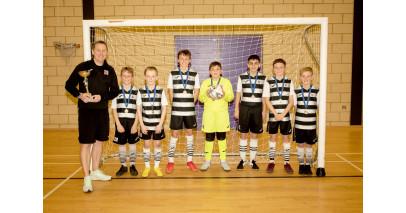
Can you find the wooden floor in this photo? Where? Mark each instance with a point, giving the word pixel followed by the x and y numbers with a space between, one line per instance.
pixel 210 191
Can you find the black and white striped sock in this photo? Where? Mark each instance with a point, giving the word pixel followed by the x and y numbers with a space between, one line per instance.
pixel 286 152
pixel 171 150
pixel 132 153
pixel 272 147
pixel 147 155
pixel 243 148
pixel 309 156
pixel 122 153
pixel 253 149
pixel 157 156
pixel 300 155
pixel 189 143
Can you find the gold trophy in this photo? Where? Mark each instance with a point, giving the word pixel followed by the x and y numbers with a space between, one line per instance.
pixel 84 74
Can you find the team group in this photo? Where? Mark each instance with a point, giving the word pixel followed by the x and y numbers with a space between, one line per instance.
pixel 146 107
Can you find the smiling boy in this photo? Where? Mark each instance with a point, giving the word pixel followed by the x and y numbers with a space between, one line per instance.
pixel 280 101
pixel 151 109
pixel 251 111
pixel 306 101
pixel 183 86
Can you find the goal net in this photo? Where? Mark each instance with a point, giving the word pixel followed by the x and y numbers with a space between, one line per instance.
pixel 143 43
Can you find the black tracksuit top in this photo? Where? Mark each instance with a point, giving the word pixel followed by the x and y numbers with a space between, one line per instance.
pixel 101 81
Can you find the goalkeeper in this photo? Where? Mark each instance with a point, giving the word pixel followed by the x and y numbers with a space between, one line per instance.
pixel 216 120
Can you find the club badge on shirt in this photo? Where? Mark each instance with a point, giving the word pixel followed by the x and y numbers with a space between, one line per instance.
pixel 106 72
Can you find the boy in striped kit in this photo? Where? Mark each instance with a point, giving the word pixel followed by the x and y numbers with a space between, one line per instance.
pixel 125 115
pixel 216 120
pixel 306 100
pixel 151 109
pixel 280 93
pixel 250 89
pixel 183 85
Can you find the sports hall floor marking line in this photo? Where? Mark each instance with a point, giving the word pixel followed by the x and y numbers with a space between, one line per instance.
pixel 66 179
pixel 354 161
pixel 350 163
pixel 333 153
pixel 346 153
pixel 80 163
pixel 260 177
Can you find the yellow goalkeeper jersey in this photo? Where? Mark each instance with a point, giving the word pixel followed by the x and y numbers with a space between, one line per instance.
pixel 219 104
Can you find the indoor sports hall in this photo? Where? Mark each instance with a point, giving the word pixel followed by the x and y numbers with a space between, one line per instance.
pixel 324 35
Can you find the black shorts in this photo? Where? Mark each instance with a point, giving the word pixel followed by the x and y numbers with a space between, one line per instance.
pixel 151 133
pixel 250 119
pixel 125 137
pixel 304 136
pixel 178 121
pixel 93 125
pixel 286 127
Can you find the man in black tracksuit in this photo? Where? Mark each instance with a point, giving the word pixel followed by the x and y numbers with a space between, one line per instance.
pixel 93 109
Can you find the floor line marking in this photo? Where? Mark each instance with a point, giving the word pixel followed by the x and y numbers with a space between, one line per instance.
pixel 233 177
pixel 64 181
pixel 349 163
pixel 355 161
pixel 333 153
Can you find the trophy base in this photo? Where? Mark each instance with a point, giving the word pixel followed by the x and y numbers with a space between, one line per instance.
pixel 90 99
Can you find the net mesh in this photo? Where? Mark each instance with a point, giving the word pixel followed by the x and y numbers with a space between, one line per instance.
pixel 67 50
pixel 140 47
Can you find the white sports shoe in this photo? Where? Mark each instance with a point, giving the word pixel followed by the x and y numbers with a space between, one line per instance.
pixel 225 166
pixel 87 185
pixel 206 165
pixel 99 175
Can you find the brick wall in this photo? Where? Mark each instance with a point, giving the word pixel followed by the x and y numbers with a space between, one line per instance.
pixel 62 23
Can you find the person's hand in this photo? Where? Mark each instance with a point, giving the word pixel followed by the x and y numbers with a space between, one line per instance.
pixel 236 114
pixel 208 92
pixel 120 128
pixel 158 128
pixel 278 117
pixel 85 97
pixel 144 129
pixel 224 94
pixel 96 98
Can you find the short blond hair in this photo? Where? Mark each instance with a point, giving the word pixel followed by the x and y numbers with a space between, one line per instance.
pixel 127 69
pixel 306 69
pixel 151 68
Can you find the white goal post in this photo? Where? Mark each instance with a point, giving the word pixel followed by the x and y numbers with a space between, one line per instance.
pixel 253 23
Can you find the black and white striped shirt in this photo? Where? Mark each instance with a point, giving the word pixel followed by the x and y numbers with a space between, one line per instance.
pixel 244 87
pixel 183 104
pixel 119 104
pixel 151 120
pixel 303 120
pixel 279 104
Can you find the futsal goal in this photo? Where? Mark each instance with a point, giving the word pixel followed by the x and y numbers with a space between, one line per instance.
pixel 301 42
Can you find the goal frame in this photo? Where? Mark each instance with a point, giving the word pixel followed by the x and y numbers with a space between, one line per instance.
pixel 322 21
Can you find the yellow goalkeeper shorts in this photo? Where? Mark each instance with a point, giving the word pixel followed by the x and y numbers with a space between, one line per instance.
pixel 215 121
